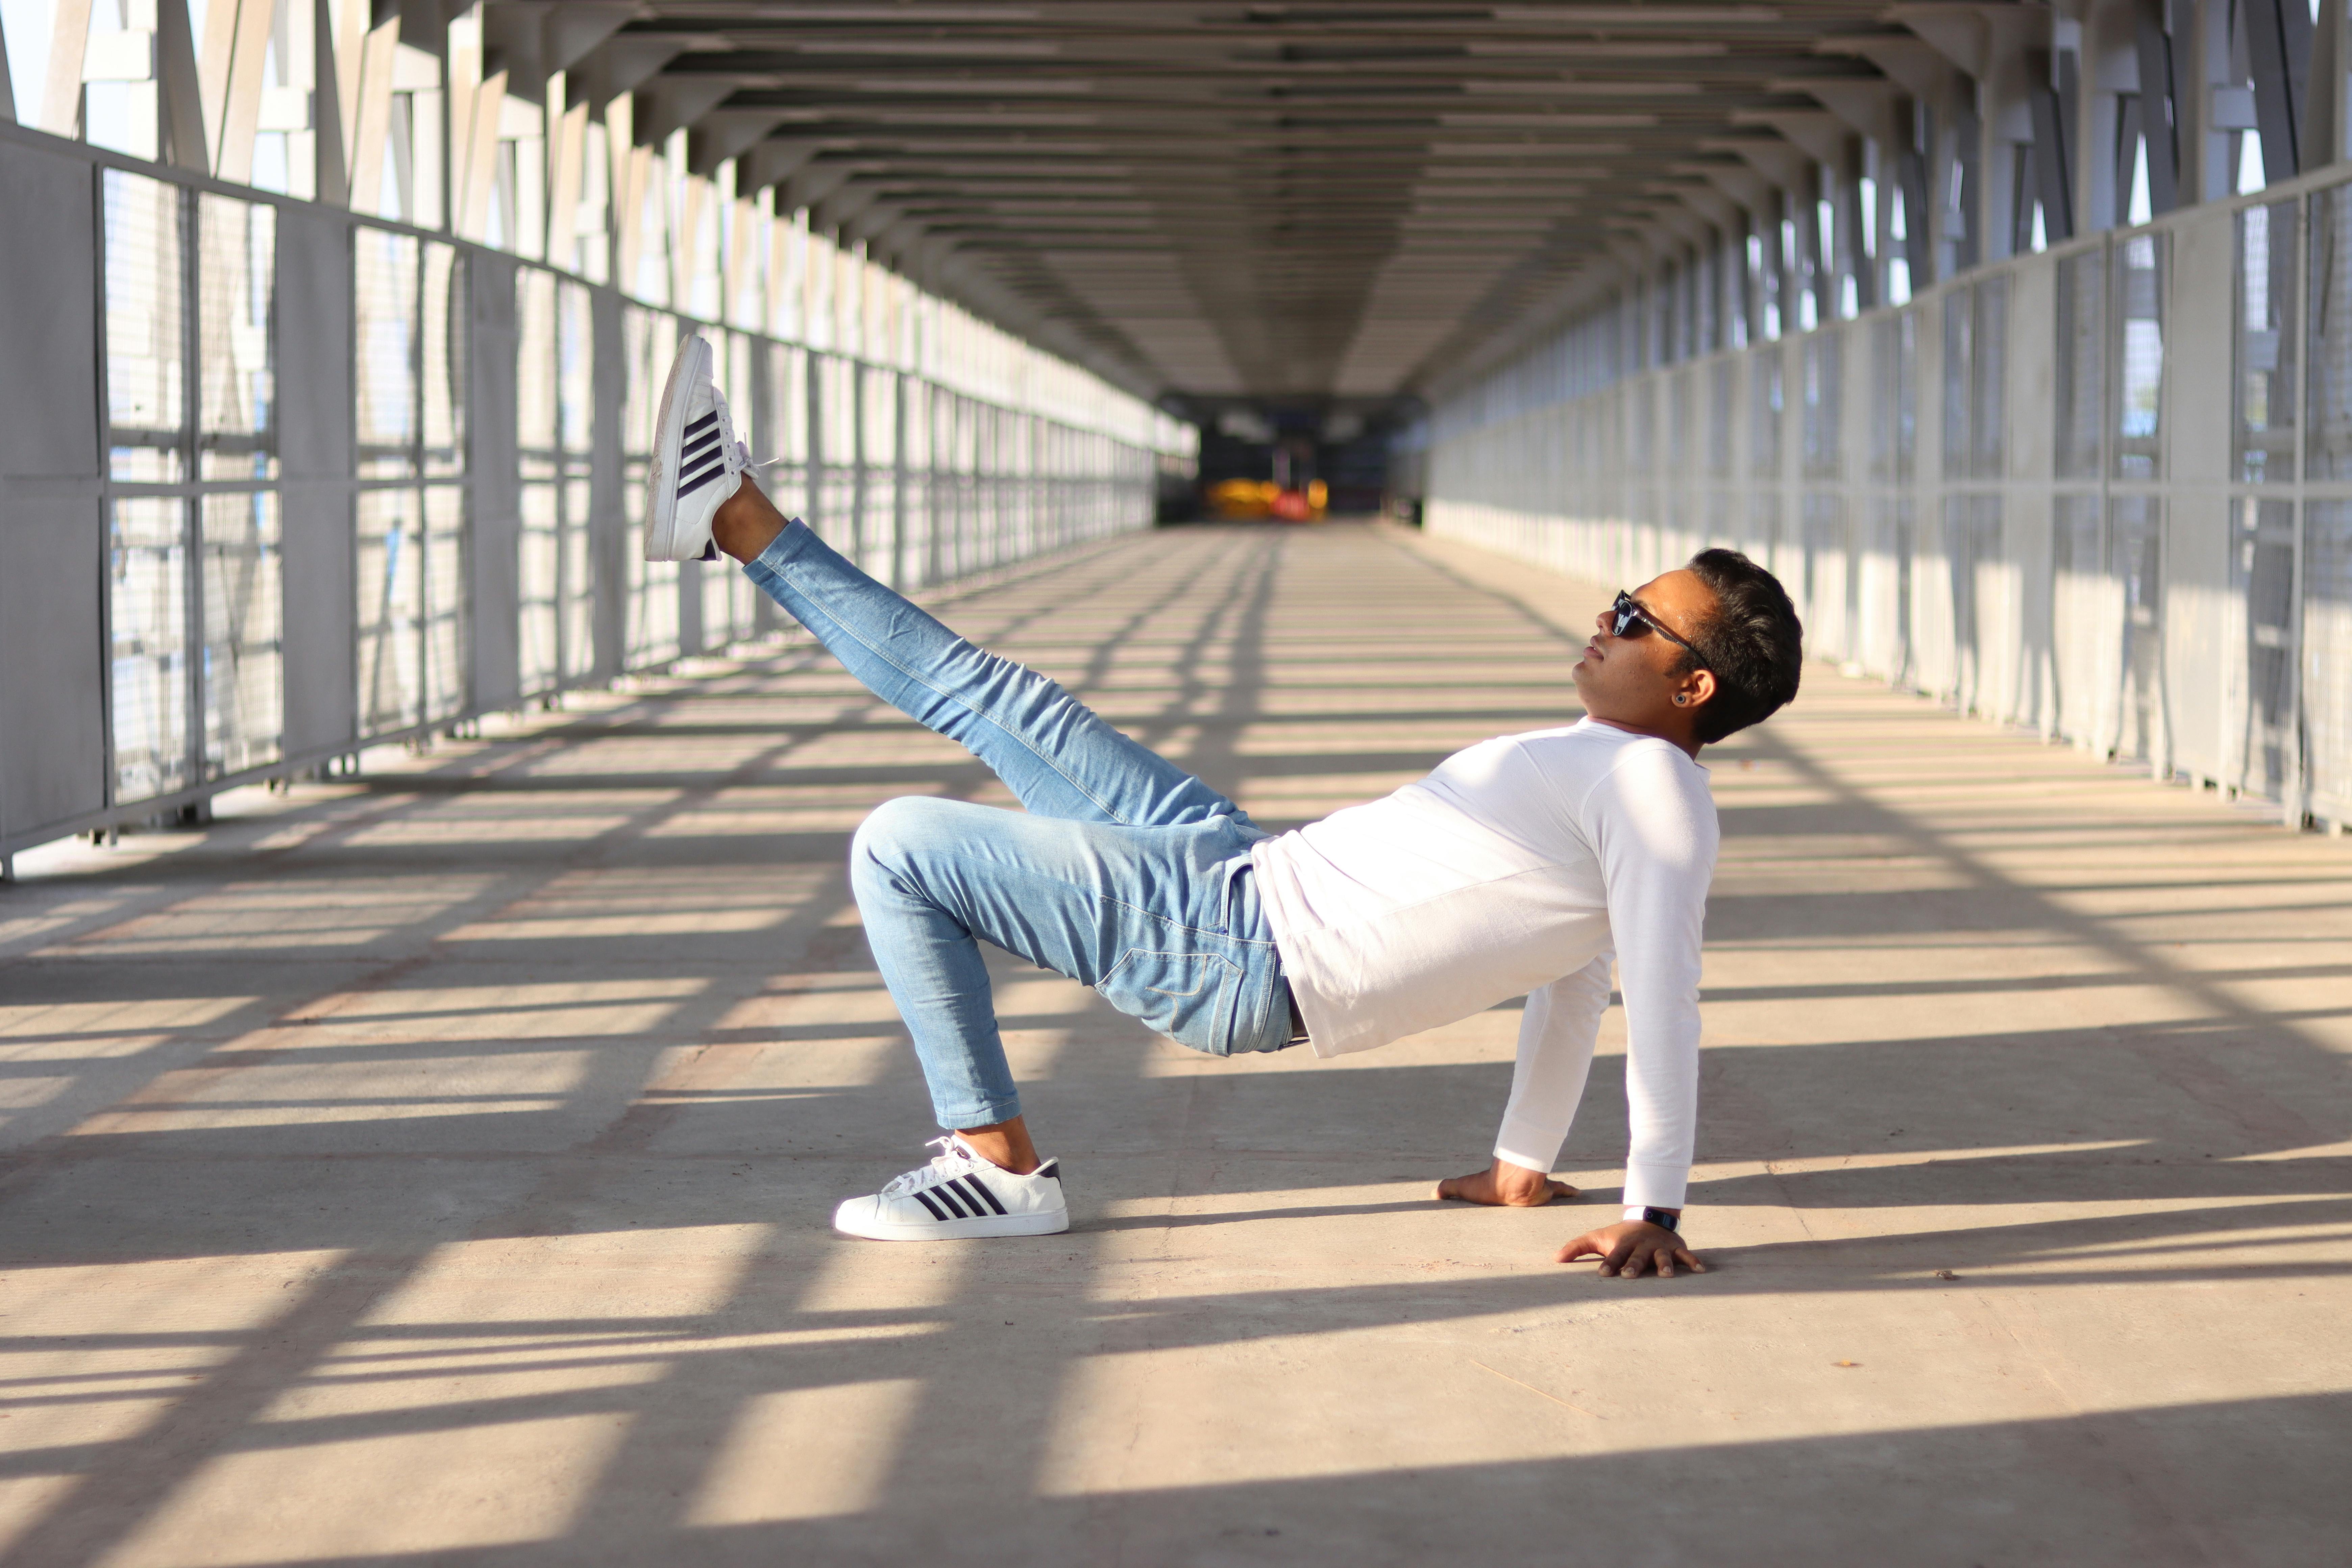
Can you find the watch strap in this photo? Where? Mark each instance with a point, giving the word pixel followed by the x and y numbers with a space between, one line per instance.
pixel 1664 1219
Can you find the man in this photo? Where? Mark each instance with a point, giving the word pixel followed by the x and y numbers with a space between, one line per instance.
pixel 1519 868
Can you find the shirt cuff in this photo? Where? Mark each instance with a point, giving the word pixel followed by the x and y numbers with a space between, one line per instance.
pixel 1656 1186
pixel 1525 1144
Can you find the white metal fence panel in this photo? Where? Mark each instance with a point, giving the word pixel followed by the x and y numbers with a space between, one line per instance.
pixel 2104 492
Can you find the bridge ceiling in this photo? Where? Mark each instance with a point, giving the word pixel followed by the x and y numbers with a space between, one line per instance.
pixel 1301 202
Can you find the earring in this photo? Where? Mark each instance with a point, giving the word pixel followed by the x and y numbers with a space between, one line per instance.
pixel 1680 700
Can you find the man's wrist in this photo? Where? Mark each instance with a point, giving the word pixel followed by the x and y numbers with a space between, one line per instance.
pixel 1664 1219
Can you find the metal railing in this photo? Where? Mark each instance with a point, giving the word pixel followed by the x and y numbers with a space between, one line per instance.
pixel 2103 491
pixel 331 483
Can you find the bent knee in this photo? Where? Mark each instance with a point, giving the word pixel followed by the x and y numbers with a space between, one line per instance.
pixel 897 831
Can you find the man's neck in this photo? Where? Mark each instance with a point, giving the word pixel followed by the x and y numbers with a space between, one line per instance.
pixel 1689 745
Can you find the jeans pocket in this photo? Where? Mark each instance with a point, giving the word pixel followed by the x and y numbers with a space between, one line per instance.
pixel 1186 995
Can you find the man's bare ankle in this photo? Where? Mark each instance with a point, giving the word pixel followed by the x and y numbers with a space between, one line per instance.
pixel 1005 1146
pixel 746 522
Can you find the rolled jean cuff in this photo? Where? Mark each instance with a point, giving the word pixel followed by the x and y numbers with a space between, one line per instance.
pixel 988 1115
pixel 780 551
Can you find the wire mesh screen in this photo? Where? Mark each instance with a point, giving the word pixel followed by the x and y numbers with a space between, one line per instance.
pixel 1988 380
pixel 2263 573
pixel 2138 374
pixel 1959 337
pixel 918 532
pixel 147 604
pixel 1823 573
pixel 385 269
pixel 783 428
pixel 575 424
pixel 391 576
pixel 2264 347
pixel 2328 446
pixel 649 340
pixel 146 348
pixel 2135 541
pixel 236 272
pixel 444 323
pixel 833 411
pixel 1824 365
pixel 726 592
pixel 1722 403
pixel 445 602
pixel 1767 397
pixel 2085 618
pixel 2327 639
pixel 539 563
pixel 878 493
pixel 1893 415
pixel 539 577
pixel 241 675
pixel 2081 365
pixel 1972 556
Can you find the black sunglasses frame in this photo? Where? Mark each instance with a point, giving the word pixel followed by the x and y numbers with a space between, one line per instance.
pixel 1628 613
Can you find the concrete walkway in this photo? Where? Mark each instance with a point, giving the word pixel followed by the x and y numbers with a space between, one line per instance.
pixel 437 1167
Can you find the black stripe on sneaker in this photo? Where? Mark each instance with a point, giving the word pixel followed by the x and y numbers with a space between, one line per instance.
pixel 709 418
pixel 925 1199
pixel 686 489
pixel 702 442
pixel 1054 1170
pixel 947 1193
pixel 977 1185
pixel 694 467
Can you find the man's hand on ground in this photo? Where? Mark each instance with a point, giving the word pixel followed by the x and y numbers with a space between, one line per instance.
pixel 1631 1247
pixel 1505 1185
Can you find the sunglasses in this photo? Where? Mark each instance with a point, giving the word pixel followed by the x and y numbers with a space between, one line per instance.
pixel 1629 619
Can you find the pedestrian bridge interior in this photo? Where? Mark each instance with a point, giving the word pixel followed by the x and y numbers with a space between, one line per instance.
pixel 433 1018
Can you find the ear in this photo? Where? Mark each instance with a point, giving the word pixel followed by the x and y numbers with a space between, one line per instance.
pixel 1694 690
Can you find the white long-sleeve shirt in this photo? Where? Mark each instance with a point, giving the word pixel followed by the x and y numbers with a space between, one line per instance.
pixel 1520 866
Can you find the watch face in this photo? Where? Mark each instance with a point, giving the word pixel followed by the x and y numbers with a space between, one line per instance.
pixel 1660 1218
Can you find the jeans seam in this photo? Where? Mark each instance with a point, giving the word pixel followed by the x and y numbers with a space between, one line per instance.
pixel 1011 733
pixel 1183 925
pixel 921 894
pixel 1232 967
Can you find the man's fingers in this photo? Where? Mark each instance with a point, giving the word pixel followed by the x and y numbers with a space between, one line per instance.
pixel 1585 1246
pixel 1560 1189
pixel 1451 1187
pixel 1689 1260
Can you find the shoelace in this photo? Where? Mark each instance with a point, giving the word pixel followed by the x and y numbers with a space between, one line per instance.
pixel 743 447
pixel 898 1186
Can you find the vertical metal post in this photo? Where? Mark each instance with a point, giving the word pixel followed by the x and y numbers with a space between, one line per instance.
pixel 2278 39
pixel 814 365
pixel 192 415
pixel 899 565
pixel 2158 122
pixel 860 460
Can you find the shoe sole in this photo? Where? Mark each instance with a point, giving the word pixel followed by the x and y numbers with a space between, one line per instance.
pixel 669 432
pixel 958 1229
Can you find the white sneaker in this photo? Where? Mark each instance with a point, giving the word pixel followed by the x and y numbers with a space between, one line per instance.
pixel 959 1194
pixel 697 463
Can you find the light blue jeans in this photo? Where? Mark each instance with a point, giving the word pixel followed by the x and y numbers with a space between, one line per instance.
pixel 1126 872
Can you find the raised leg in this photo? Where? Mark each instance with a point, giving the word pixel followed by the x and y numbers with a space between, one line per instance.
pixel 1058 757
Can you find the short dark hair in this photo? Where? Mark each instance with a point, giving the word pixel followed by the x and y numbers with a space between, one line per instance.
pixel 1751 641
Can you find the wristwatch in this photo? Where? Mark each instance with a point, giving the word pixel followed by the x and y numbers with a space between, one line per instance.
pixel 1664 1219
